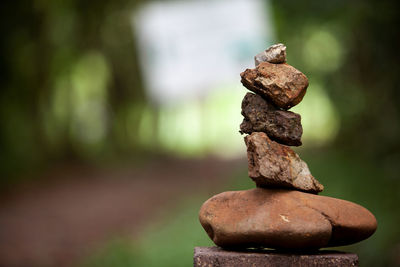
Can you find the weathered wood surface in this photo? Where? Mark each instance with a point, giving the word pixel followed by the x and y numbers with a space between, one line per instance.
pixel 215 256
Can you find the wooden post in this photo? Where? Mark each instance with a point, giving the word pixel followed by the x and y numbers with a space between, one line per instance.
pixel 217 257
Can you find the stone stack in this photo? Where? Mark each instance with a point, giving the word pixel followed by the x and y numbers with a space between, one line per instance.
pixel 284 210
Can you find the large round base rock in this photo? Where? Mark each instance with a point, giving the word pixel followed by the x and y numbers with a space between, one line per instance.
pixel 214 256
pixel 283 219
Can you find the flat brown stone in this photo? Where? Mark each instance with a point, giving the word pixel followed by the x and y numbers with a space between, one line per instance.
pixel 288 219
pixel 280 125
pixel 214 256
pixel 282 84
pixel 273 164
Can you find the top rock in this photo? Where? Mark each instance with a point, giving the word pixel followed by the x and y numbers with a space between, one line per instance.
pixel 274 54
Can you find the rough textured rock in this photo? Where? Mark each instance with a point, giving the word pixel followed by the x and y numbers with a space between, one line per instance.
pixel 273 164
pixel 282 84
pixel 280 125
pixel 215 256
pixel 274 54
pixel 288 219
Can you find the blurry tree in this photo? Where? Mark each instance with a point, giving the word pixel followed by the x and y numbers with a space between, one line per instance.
pixel 352 48
pixel 71 85
pixel 69 78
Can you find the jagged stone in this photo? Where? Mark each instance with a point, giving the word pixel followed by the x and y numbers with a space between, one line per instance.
pixel 282 84
pixel 274 54
pixel 273 164
pixel 260 116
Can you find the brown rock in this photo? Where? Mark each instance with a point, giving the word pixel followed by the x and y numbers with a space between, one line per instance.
pixel 261 116
pixel 277 218
pixel 273 164
pixel 282 84
pixel 215 256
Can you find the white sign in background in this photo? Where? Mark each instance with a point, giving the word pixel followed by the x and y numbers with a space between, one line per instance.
pixel 188 48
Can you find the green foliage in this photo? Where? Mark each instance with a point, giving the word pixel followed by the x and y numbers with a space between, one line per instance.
pixel 67 69
pixel 351 49
pixel 72 89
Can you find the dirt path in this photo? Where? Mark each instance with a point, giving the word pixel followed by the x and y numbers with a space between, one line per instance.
pixel 57 222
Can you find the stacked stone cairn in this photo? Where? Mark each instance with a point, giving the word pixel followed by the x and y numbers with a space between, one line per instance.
pixel 284 211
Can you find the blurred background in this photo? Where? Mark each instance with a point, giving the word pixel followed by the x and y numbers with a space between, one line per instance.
pixel 120 118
